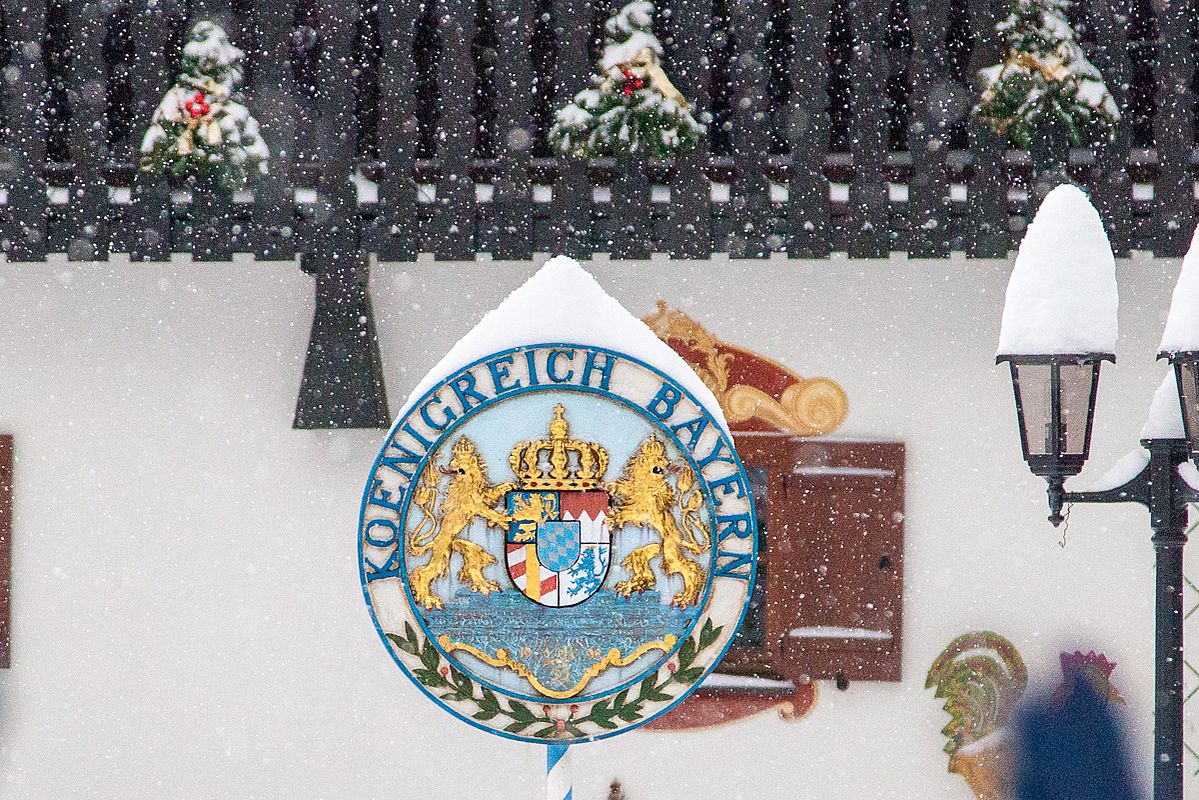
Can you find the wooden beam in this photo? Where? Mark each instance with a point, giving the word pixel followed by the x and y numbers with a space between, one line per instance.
pixel 342 385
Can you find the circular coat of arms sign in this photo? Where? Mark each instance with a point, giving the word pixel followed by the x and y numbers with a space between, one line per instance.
pixel 557 542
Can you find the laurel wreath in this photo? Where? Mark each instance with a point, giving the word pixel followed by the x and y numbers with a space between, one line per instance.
pixel 451 684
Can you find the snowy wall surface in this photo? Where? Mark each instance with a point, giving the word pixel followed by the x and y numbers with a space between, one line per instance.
pixel 188 620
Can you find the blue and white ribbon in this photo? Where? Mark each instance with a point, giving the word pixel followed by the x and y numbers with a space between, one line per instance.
pixel 557 773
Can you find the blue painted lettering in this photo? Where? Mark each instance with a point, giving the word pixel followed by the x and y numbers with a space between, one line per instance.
pixel 605 369
pixel 389 569
pixel 393 462
pixel 694 428
pixel 662 406
pixel 741 565
pixel 381 497
pixel 448 417
pixel 392 538
pixel 425 443
pixel 730 484
pixel 531 360
pixel 499 374
pixel 551 366
pixel 464 389
pixel 732 525
pixel 716 456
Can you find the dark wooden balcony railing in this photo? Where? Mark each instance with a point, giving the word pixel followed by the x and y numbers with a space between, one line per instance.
pixel 398 127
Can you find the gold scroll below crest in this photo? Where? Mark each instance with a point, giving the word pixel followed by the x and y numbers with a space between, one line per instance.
pixel 613 658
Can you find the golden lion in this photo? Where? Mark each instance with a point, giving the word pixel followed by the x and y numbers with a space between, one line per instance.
pixel 643 497
pixel 469 496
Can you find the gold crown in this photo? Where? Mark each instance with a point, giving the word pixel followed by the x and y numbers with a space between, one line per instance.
pixel 573 464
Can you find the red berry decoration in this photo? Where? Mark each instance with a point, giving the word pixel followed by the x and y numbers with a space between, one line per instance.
pixel 197 106
pixel 632 82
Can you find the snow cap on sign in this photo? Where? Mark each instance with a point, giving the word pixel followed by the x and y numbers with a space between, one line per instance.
pixel 1182 325
pixel 1165 415
pixel 562 302
pixel 1062 295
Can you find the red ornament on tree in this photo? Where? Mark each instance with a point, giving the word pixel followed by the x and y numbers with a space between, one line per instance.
pixel 197 106
pixel 632 82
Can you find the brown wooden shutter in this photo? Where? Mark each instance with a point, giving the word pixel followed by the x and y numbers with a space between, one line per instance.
pixel 832 559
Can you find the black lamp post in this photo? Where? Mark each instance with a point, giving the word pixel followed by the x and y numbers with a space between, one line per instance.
pixel 1055 406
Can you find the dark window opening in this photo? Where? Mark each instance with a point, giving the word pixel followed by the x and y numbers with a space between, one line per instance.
pixel 426 57
pixel 959 45
pixel 544 47
pixel 366 82
pixel 483 57
pixel 720 94
pixel 118 95
pixel 56 54
pixel 839 52
pixel 899 87
pixel 780 52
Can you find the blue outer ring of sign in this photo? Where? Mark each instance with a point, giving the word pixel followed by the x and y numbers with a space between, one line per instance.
pixel 725 437
pixel 493 401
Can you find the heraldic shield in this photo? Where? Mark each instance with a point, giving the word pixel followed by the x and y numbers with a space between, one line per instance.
pixel 559 542
pixel 558 545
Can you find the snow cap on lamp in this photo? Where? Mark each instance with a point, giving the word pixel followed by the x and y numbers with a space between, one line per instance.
pixel 1182 324
pixel 1180 344
pixel 1059 326
pixel 1062 296
pixel 1165 416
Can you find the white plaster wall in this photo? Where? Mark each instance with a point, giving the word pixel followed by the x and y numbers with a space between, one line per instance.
pixel 187 616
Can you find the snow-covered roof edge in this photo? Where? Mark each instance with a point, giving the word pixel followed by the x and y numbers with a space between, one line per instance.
pixel 562 302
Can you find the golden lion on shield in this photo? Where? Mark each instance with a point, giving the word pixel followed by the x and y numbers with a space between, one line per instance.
pixel 644 497
pixel 470 495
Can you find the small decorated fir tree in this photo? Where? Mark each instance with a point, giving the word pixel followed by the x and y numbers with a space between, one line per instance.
pixel 1045 79
pixel 632 109
pixel 202 127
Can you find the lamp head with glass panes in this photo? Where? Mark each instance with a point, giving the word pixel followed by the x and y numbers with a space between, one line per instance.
pixel 1180 344
pixel 1059 326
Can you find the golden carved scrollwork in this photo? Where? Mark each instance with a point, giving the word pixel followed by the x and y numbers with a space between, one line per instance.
pixel 613 658
pixel 813 407
pixel 807 407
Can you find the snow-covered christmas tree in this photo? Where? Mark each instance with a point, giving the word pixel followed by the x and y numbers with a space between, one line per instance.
pixel 1045 79
pixel 632 108
pixel 202 126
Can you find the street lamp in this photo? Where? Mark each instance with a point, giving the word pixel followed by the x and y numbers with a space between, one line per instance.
pixel 1055 408
pixel 1059 326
